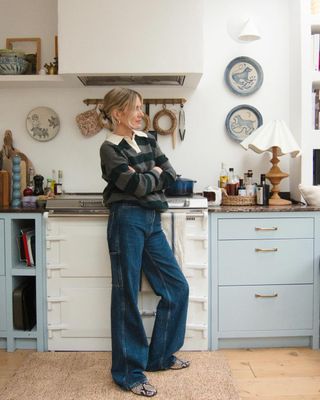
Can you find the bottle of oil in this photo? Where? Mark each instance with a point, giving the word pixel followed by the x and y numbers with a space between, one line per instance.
pixel 223 178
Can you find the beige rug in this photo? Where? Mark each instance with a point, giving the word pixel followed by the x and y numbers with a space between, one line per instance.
pixel 86 376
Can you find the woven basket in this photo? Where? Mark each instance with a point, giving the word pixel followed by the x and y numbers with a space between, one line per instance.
pixel 238 200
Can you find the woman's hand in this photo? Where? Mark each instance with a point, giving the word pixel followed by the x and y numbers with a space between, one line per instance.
pixel 131 169
pixel 158 169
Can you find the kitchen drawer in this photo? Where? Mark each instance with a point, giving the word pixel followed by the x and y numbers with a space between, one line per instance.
pixel 254 262
pixel 2 270
pixel 241 310
pixel 2 303
pixel 265 228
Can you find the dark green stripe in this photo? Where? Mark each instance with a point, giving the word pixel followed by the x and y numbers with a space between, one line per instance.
pixel 115 173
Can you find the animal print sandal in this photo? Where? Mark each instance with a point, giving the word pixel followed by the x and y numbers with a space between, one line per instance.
pixel 144 389
pixel 180 364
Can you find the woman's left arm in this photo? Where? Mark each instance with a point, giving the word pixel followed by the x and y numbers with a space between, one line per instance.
pixel 168 175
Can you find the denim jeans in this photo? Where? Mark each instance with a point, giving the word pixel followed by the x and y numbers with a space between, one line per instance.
pixel 136 241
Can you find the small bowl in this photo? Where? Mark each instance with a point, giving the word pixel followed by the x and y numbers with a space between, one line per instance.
pixel 29 201
pixel 12 65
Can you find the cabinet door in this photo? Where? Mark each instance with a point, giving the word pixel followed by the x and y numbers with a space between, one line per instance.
pixel 2 303
pixel 79 246
pixel 260 262
pixel 79 314
pixel 265 308
pixel 2 269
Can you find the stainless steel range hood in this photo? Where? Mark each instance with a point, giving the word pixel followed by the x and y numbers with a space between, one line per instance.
pixel 131 43
pixel 110 80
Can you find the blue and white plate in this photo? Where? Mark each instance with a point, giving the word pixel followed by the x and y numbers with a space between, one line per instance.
pixel 43 123
pixel 243 76
pixel 241 121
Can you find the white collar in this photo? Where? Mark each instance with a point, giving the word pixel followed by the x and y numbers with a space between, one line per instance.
pixel 116 139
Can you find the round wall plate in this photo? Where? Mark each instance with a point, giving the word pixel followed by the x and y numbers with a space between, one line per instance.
pixel 43 123
pixel 243 76
pixel 241 121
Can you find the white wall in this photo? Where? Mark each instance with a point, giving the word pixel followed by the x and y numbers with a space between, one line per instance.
pixel 206 143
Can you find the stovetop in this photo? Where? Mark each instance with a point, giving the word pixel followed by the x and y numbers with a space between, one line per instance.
pixel 94 201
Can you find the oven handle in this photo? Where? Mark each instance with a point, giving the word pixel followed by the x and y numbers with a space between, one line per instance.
pixel 52 213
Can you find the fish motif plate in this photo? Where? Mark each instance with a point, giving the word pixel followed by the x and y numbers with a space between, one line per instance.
pixel 241 121
pixel 43 124
pixel 243 76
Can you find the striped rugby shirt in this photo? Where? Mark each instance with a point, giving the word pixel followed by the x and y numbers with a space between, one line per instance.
pixel 145 185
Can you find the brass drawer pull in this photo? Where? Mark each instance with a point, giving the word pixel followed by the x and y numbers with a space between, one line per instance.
pixel 274 228
pixel 266 250
pixel 266 296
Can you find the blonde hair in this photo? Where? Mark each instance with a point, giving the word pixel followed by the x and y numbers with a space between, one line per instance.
pixel 119 99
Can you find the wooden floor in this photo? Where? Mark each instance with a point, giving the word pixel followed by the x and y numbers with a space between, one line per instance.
pixel 276 374
pixel 260 374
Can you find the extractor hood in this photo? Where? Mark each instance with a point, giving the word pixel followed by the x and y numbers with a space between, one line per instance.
pixel 122 42
pixel 136 80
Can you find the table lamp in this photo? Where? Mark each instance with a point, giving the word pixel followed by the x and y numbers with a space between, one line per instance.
pixel 275 137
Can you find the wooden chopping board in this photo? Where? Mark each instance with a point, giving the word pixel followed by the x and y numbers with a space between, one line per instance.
pixel 4 189
pixel 8 152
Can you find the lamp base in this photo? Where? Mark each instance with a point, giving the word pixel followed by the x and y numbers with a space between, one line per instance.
pixel 279 202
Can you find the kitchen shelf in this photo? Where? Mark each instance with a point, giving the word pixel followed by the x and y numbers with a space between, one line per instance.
pixel 38 81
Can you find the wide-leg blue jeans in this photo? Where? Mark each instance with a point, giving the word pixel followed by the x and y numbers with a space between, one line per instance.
pixel 136 241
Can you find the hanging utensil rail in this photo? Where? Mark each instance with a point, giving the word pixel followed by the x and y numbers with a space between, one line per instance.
pixel 145 101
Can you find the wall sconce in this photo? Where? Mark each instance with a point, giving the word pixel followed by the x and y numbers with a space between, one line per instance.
pixel 249 32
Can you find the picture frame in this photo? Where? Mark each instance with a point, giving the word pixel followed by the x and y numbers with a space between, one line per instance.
pixel 243 76
pixel 32 48
pixel 241 121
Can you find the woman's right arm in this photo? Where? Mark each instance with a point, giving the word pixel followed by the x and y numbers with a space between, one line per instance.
pixel 115 169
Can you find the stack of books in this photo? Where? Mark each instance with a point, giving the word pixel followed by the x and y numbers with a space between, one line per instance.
pixel 27 246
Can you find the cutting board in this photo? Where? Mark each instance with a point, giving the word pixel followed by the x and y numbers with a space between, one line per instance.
pixel 4 188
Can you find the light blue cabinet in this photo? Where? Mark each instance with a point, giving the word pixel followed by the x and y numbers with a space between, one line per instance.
pixel 16 272
pixel 3 297
pixel 264 279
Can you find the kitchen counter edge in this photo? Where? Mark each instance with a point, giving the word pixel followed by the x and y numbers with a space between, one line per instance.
pixel 266 209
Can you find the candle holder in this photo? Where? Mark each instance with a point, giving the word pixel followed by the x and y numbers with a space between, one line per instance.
pixel 16 193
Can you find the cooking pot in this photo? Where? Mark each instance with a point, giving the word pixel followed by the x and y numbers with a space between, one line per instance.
pixel 180 187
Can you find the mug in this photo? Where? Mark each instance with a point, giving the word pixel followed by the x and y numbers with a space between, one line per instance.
pixel 214 195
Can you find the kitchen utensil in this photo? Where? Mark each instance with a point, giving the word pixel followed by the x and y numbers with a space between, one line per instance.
pixel 213 194
pixel 4 189
pixel 182 122
pixel 89 122
pixel 181 187
pixel 173 119
pixel 38 185
pixel 7 153
pixel 153 132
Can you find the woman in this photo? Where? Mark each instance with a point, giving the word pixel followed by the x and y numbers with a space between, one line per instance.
pixel 137 172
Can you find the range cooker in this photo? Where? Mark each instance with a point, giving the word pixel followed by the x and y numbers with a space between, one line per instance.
pixel 92 203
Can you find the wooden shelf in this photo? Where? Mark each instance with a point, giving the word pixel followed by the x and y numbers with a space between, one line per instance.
pixel 38 81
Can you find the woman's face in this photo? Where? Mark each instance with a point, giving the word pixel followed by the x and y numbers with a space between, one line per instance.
pixel 133 117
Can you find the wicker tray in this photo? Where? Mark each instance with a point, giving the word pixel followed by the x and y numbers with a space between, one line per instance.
pixel 238 200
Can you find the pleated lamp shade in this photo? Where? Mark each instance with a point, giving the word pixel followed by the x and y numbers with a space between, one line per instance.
pixel 274 133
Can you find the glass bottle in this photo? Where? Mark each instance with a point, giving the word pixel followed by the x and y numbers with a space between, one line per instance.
pixel 58 185
pixel 266 189
pixel 241 189
pixel 250 187
pixel 223 178
pixel 233 183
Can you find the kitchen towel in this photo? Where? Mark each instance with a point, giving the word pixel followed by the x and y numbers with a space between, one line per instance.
pixel 174 227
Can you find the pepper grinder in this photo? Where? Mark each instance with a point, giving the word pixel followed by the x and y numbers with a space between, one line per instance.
pixel 16 194
pixel 38 185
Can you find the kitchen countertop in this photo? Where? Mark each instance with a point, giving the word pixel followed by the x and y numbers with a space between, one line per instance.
pixel 22 210
pixel 266 209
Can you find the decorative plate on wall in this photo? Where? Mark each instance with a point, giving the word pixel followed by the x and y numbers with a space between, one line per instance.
pixel 43 123
pixel 243 76
pixel 241 121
